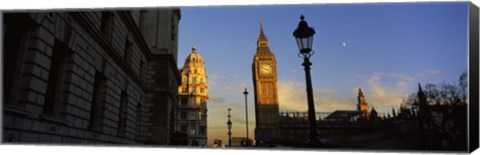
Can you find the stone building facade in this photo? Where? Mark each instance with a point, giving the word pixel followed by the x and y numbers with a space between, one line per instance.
pixel 90 77
pixel 264 74
pixel 193 95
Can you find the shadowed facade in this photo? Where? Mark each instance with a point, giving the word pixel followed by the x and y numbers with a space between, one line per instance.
pixel 92 77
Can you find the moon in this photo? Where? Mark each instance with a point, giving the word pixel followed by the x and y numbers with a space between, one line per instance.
pixel 344 44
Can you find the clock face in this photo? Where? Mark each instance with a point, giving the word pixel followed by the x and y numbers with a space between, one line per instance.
pixel 265 69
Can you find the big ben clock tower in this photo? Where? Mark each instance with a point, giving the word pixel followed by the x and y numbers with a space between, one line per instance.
pixel 264 69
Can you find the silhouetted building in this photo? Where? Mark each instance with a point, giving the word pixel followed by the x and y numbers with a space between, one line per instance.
pixel 294 126
pixel 351 115
pixel 191 115
pixel 344 116
pixel 373 117
pixel 90 77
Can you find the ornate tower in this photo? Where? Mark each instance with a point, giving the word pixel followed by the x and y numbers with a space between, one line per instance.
pixel 362 104
pixel 191 116
pixel 264 69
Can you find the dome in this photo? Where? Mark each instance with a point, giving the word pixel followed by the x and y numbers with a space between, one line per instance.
pixel 194 58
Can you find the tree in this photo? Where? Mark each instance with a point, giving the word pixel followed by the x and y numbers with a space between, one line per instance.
pixel 410 99
pixel 442 94
pixel 448 101
pixel 463 83
pixel 432 93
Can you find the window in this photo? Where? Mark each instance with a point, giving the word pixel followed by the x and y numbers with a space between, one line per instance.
pixel 107 22
pixel 141 68
pixel 122 118
pixel 139 114
pixel 194 90
pixel 15 38
pixel 127 53
pixel 183 128
pixel 203 101
pixel 192 130
pixel 201 90
pixel 201 80
pixel 269 88
pixel 192 116
pixel 184 80
pixel 183 102
pixel 184 90
pixel 264 89
pixel 200 115
pixel 55 79
pixel 183 115
pixel 194 79
pixel 202 130
pixel 97 100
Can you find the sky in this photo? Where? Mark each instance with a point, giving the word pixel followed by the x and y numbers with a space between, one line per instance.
pixel 383 48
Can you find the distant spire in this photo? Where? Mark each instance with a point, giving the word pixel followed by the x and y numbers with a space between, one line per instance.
pixel 419 87
pixel 360 93
pixel 260 22
pixel 421 95
pixel 262 35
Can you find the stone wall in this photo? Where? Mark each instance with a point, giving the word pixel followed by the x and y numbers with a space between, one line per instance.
pixel 52 95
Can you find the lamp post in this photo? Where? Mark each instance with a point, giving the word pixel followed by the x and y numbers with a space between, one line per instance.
pixel 246 113
pixel 304 37
pixel 229 124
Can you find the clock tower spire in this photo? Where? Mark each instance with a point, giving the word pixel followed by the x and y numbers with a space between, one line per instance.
pixel 262 39
pixel 362 103
pixel 264 71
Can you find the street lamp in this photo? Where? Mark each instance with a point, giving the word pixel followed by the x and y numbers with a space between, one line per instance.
pixel 229 124
pixel 304 36
pixel 246 113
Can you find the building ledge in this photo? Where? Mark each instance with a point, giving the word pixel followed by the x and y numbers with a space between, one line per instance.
pixel 96 130
pixel 15 109
pixel 54 119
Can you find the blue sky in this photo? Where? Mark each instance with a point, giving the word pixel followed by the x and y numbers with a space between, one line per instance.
pixel 389 48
